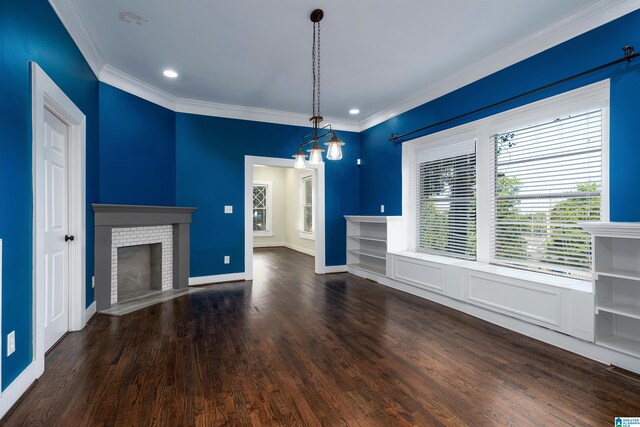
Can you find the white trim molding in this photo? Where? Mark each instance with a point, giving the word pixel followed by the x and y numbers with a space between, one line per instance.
pixel 329 269
pixel 17 388
pixel 89 312
pixel 258 244
pixel 302 250
pixel 46 94
pixel 77 29
pixel 123 81
pixel 216 278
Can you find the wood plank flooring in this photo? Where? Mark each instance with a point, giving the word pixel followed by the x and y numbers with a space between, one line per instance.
pixel 295 348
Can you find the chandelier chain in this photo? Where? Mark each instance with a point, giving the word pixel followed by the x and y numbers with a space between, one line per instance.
pixel 318 88
pixel 313 68
pixel 315 59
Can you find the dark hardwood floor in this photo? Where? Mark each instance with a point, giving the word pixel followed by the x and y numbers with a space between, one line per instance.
pixel 295 348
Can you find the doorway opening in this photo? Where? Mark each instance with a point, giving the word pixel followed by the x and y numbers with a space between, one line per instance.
pixel 284 207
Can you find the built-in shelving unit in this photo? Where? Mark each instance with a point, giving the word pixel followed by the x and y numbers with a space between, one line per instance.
pixel 368 240
pixel 617 285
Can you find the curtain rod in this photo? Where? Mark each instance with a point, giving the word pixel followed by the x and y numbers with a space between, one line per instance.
pixel 628 56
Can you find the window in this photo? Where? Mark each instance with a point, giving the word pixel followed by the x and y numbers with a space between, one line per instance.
pixel 446 204
pixel 307 207
pixel 262 209
pixel 546 179
pixel 515 197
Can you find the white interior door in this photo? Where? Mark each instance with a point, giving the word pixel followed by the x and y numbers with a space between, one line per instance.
pixel 56 244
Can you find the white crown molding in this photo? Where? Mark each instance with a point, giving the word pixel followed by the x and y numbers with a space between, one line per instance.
pixel 123 81
pixel 560 31
pixel 76 27
pixel 127 83
pixel 258 114
pixel 584 20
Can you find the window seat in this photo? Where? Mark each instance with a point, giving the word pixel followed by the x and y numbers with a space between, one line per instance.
pixel 558 303
pixel 506 272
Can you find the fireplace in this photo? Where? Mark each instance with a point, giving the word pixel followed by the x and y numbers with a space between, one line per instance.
pixel 139 250
pixel 133 245
pixel 139 270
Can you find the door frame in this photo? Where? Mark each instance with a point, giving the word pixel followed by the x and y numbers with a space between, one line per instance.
pixel 46 94
pixel 319 207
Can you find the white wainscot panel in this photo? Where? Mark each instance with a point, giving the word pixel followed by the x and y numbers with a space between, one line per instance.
pixel 422 274
pixel 581 319
pixel 528 301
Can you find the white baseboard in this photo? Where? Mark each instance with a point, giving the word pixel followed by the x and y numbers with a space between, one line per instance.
pixel 300 249
pixel 257 244
pixel 335 269
pixel 557 339
pixel 89 312
pixel 16 389
pixel 216 278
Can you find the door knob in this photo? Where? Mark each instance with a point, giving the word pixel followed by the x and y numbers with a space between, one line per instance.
pixel 67 238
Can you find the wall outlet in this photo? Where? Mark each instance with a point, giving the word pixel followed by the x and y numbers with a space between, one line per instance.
pixel 11 343
pixel 381 208
pixel 228 209
pixel 227 259
pixel 93 282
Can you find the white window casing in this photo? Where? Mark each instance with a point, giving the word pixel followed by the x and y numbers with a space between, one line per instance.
pixel 307 202
pixel 446 201
pixel 546 179
pixel 262 208
pixel 594 97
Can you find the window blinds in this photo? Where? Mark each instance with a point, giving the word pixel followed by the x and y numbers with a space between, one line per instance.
pixel 446 211
pixel 547 178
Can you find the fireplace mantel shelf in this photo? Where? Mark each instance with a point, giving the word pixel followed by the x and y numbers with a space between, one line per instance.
pixel 132 215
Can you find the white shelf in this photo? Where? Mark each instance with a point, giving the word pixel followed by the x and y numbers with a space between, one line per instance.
pixel 368 253
pixel 369 239
pixel 622 274
pixel 371 218
pixel 623 345
pixel 620 309
pixel 624 230
pixel 370 268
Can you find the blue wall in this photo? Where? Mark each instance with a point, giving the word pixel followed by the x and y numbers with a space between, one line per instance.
pixel 381 170
pixel 137 150
pixel 210 174
pixel 149 155
pixel 30 31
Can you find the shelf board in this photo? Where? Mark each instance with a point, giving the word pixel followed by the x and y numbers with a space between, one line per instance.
pixel 620 309
pixel 623 345
pixel 368 253
pixel 622 274
pixel 370 268
pixel 369 239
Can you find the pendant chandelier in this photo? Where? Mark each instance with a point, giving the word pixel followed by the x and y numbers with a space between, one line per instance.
pixel 334 145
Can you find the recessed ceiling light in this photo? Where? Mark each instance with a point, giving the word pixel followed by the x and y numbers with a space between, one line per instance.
pixel 170 73
pixel 354 111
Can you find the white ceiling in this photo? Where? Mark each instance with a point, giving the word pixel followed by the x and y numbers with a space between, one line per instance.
pixel 376 54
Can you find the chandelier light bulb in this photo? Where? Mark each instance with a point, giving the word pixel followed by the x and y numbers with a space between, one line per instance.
pixel 300 161
pixel 315 155
pixel 334 152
